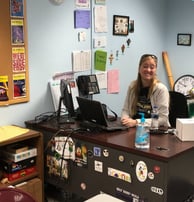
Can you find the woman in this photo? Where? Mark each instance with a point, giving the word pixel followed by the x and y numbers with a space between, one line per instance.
pixel 144 93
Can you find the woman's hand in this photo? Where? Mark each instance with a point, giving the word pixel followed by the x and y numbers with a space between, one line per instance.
pixel 126 121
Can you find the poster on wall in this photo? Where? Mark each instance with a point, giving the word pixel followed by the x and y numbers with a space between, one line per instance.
pixel 17 8
pixel 18 59
pixel 17 31
pixel 4 88
pixel 19 81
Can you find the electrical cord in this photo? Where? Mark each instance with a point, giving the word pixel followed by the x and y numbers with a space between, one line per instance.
pixel 64 146
pixel 44 117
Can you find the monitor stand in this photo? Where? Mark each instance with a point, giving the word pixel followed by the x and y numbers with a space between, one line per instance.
pixel 63 119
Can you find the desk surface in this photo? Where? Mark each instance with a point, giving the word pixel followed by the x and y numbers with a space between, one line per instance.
pixel 123 140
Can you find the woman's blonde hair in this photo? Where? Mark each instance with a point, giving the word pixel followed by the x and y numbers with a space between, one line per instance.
pixel 138 83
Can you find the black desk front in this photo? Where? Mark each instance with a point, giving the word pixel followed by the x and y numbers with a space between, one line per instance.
pixel 110 163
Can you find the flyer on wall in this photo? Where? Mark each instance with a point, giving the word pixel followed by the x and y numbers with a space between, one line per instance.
pixel 17 8
pixel 19 81
pixel 17 31
pixel 4 88
pixel 18 59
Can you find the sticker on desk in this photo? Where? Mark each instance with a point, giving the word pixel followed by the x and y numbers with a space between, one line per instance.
pixel 98 166
pixel 81 154
pixel 65 147
pixel 119 174
pixel 97 151
pixel 57 167
pixel 141 171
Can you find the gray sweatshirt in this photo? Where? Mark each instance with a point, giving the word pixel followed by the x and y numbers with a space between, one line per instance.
pixel 159 98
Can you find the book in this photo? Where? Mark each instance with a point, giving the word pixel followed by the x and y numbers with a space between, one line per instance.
pixel 20 156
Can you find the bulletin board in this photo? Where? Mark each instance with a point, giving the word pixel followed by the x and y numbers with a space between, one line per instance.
pixel 14 78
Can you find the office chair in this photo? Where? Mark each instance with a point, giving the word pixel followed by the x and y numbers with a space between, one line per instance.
pixel 13 194
pixel 178 107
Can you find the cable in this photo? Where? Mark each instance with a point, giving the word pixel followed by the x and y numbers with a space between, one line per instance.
pixel 44 116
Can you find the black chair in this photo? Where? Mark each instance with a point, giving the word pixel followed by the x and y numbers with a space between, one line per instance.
pixel 178 107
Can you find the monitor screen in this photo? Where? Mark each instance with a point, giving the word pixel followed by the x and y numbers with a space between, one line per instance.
pixel 66 98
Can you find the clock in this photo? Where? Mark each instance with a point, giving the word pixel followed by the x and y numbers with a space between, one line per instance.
pixel 184 84
pixel 184 39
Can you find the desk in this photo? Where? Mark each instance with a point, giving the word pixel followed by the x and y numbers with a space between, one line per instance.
pixel 115 167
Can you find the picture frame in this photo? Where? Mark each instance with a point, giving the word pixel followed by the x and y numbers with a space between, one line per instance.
pixel 120 25
pixel 184 39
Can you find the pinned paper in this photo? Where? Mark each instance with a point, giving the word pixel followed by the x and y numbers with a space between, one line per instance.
pixel 100 60
pixel 113 81
pixel 82 19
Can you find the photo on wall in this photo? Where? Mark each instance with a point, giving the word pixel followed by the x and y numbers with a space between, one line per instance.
pixel 120 25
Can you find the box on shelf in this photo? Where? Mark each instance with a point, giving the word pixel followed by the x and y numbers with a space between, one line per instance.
pixel 31 152
pixel 20 173
pixel 11 167
pixel 185 128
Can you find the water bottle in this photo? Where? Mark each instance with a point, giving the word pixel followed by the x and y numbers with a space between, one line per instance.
pixel 142 136
pixel 154 117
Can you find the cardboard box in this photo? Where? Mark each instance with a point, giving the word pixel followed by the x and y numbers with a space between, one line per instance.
pixel 33 187
pixel 20 173
pixel 185 128
pixel 11 167
pixel 20 156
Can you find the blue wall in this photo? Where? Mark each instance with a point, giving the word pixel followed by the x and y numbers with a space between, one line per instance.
pixel 52 38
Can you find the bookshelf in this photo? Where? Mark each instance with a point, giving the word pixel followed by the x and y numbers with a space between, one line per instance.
pixel 33 139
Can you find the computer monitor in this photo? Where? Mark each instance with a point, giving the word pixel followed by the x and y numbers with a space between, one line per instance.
pixel 66 98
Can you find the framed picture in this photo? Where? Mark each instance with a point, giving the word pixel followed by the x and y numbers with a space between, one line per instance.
pixel 183 39
pixel 120 25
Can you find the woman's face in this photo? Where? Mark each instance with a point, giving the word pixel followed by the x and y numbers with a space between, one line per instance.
pixel 147 70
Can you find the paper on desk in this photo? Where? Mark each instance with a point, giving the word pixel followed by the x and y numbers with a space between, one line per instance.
pixel 8 132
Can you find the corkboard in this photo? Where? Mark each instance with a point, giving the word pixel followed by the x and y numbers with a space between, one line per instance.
pixel 14 78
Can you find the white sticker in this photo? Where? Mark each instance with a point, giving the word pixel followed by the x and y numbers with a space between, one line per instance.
pixel 105 152
pixel 157 190
pixel 141 171
pixel 98 166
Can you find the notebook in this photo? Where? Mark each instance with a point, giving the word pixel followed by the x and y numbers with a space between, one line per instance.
pixel 93 114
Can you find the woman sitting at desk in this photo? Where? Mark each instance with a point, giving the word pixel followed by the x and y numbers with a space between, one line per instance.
pixel 144 93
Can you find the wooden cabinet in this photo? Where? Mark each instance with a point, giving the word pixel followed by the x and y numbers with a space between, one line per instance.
pixel 33 139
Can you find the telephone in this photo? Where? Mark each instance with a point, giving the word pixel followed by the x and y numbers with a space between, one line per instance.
pixel 88 84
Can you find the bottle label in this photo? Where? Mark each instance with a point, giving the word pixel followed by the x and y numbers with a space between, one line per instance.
pixel 142 139
pixel 142 136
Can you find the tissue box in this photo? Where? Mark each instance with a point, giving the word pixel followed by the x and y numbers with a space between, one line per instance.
pixel 185 128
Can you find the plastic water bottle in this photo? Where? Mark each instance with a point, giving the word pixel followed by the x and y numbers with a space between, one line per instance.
pixel 142 137
pixel 154 117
